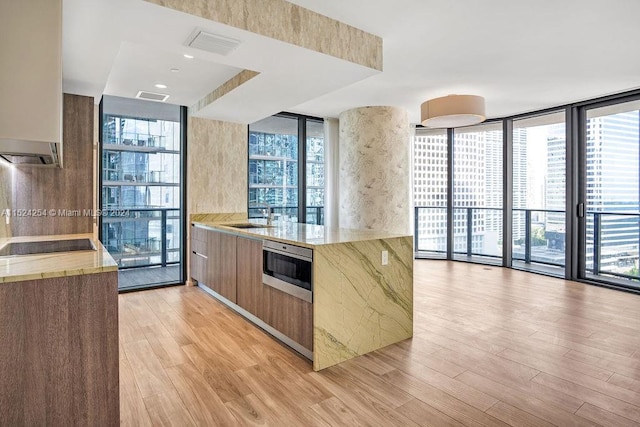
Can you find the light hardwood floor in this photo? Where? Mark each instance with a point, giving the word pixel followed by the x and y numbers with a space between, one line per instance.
pixel 492 346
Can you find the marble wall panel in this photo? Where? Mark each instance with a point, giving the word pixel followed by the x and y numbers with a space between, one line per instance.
pixel 281 20
pixel 359 304
pixel 217 156
pixel 375 169
pixel 218 217
pixel 237 80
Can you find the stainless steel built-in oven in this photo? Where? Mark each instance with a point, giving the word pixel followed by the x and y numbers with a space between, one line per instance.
pixel 288 268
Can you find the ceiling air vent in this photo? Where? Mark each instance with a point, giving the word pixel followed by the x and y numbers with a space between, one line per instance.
pixel 151 96
pixel 213 43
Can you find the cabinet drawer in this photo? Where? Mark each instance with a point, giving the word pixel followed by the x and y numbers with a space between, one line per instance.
pixel 198 267
pixel 198 233
pixel 199 246
pixel 289 315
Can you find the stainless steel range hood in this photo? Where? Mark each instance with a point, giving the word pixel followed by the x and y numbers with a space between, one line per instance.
pixel 30 153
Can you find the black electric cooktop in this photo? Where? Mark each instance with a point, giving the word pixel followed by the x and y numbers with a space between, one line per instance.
pixel 50 246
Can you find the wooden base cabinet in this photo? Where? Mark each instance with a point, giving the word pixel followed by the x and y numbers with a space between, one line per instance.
pixel 213 261
pixel 198 258
pixel 249 276
pixel 231 266
pixel 224 281
pixel 289 315
pixel 59 352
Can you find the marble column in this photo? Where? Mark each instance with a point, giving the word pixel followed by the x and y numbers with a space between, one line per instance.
pixel 375 169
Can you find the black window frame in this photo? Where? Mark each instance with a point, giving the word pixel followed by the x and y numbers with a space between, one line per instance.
pixel 302 162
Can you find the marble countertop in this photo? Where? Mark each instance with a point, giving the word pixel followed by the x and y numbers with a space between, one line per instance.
pixel 18 268
pixel 307 235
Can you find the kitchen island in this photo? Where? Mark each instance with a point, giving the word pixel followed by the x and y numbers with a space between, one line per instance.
pixel 59 331
pixel 360 303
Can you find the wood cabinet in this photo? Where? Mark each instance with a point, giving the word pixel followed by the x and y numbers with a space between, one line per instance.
pixel 199 257
pixel 59 351
pixel 231 266
pixel 224 281
pixel 289 315
pixel 213 260
pixel 198 265
pixel 249 276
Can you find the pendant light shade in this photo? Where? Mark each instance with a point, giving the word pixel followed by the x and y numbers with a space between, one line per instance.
pixel 453 111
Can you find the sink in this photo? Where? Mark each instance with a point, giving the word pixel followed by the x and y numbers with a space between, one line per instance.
pixel 248 225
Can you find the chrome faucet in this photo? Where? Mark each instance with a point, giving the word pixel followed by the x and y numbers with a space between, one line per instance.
pixel 268 212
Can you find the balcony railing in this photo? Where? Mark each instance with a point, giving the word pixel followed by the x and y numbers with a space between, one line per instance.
pixel 539 236
pixel 612 238
pixel 477 230
pixel 142 237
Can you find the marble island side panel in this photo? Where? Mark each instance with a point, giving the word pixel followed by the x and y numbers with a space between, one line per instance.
pixel 359 304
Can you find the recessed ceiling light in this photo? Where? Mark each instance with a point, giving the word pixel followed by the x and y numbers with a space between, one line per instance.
pixel 186 55
pixel 174 70
pixel 161 86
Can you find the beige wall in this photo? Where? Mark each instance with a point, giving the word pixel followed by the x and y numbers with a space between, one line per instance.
pixel 375 169
pixel 216 166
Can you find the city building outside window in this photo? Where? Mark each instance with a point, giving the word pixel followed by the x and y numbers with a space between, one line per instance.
pixel 286 153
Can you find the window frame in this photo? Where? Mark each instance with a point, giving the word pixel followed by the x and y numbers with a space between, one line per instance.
pixel 302 162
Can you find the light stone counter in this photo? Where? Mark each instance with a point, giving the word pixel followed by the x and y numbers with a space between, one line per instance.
pixel 307 235
pixel 17 268
pixel 359 305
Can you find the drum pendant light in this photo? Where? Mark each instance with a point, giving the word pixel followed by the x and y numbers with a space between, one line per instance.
pixel 453 111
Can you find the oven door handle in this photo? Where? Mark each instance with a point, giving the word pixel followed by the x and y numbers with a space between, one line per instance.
pixel 287 253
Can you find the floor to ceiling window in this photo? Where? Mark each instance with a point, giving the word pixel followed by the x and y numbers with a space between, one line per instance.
pixel 315 171
pixel 430 191
pixel 612 138
pixel 286 153
pixel 539 186
pixel 477 191
pixel 572 176
pixel 141 190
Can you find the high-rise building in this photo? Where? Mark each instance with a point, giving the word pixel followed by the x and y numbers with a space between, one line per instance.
pixel 613 156
pixel 555 187
pixel 430 189
pixel 141 176
pixel 521 184
pixel 276 146
pixel 477 190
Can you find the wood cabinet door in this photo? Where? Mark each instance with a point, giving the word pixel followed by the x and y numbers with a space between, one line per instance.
pixel 212 269
pixel 226 275
pixel 289 315
pixel 198 265
pixel 199 255
pixel 198 234
pixel 249 275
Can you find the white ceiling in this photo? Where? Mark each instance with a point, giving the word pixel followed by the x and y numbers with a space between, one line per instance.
pixel 118 47
pixel 521 56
